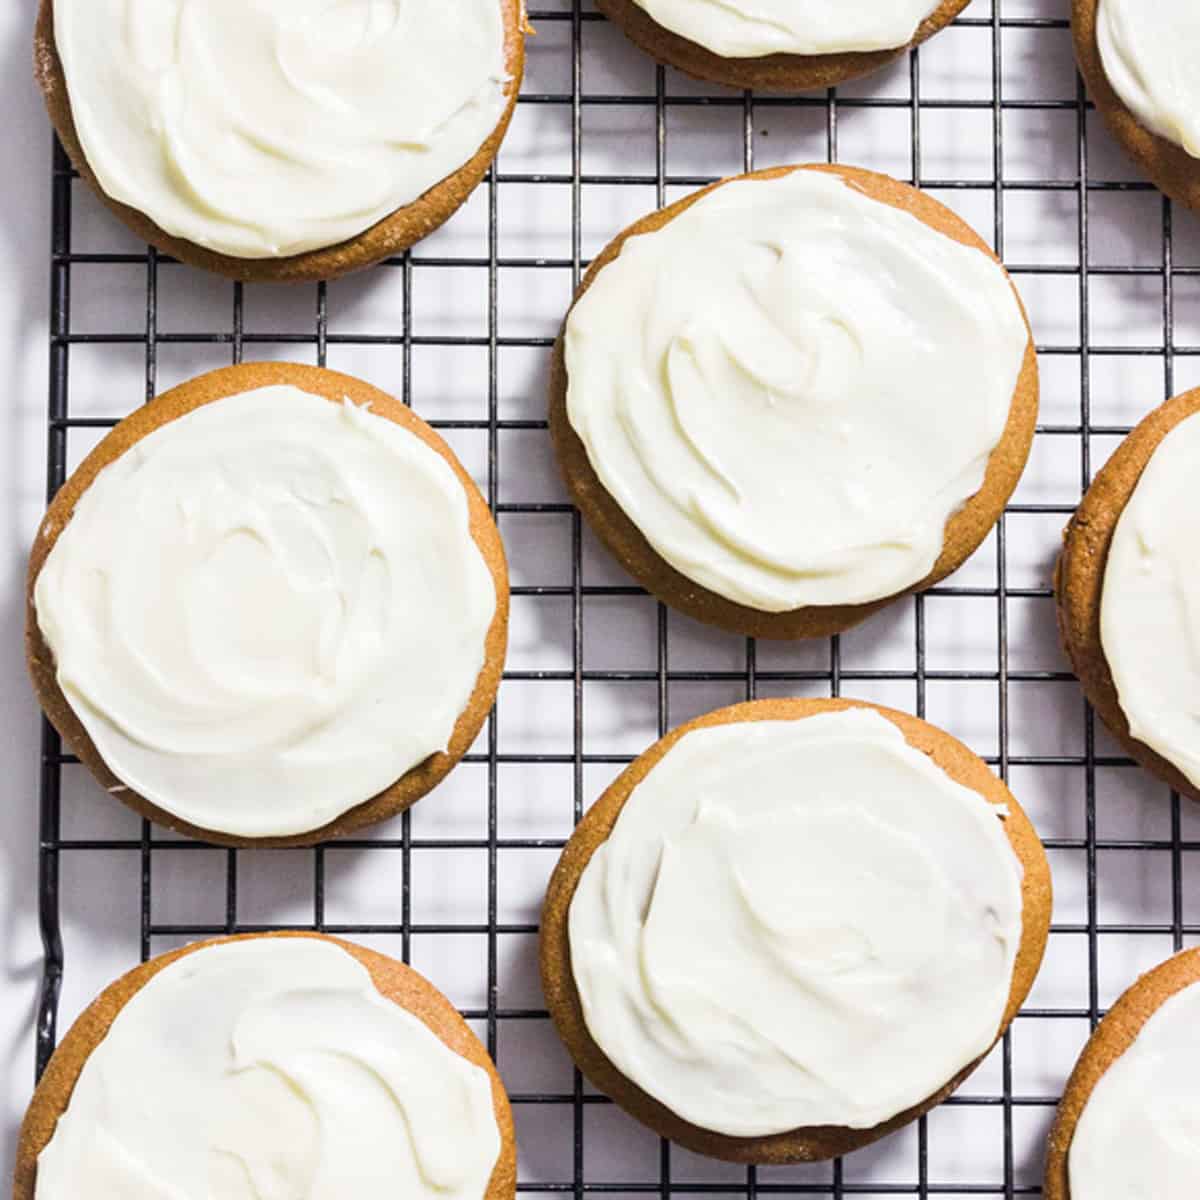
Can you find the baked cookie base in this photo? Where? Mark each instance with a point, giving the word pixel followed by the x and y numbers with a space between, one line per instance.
pixel 217 385
pixel 400 984
pixel 1115 1034
pixel 1168 166
pixel 800 1145
pixel 391 236
pixel 1079 579
pixel 771 72
pixel 965 531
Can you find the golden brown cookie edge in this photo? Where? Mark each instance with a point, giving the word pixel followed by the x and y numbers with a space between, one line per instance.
pixel 205 389
pixel 769 73
pixel 965 531
pixel 1079 578
pixel 1169 167
pixel 391 236
pixel 1112 1037
pixel 399 983
pixel 801 1145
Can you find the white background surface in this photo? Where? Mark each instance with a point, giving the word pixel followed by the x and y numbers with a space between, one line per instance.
pixel 101 891
pixel 24 289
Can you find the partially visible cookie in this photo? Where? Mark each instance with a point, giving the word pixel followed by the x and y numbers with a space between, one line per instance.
pixel 1141 631
pixel 269 608
pixel 290 177
pixel 1125 70
pixel 290 1059
pixel 768 72
pixel 793 926
pixel 767 431
pixel 1127 1122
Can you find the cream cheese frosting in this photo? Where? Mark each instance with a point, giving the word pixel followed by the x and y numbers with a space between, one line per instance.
pixel 271 1069
pixel 1150 602
pixel 1151 55
pixel 266 128
pixel 1139 1133
pixel 268 610
pixel 791 387
pixel 752 28
pixel 797 923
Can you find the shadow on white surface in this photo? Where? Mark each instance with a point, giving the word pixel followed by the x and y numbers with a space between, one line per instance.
pixel 24 239
pixel 20 957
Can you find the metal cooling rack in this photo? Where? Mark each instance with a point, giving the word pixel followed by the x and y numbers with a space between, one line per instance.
pixel 1119 845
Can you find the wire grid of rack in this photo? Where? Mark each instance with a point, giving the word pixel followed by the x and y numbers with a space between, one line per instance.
pixel 1119 844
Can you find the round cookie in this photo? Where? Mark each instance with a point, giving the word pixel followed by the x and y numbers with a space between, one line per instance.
pixel 804 1144
pixel 771 72
pixel 390 236
pixel 393 980
pixel 1112 1038
pixel 1168 166
pixel 964 532
pixel 1080 571
pixel 203 390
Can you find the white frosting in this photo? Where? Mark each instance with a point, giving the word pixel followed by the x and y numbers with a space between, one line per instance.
pixel 1139 1133
pixel 791 387
pixel 752 28
pixel 271 1069
pixel 1150 605
pixel 268 610
pixel 1151 54
pixel 797 923
pixel 263 128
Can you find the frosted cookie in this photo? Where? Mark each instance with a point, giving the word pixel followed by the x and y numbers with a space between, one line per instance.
pixel 1129 1122
pixel 779 45
pixel 269 608
pixel 1129 593
pixel 1141 63
pixel 793 397
pixel 792 926
pixel 284 139
pixel 269 1065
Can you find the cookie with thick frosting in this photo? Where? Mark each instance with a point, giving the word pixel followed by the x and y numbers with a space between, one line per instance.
pixel 269 1064
pixel 1139 62
pixel 794 397
pixel 290 141
pixel 791 47
pixel 1127 1122
pixel 1126 594
pixel 269 608
pixel 793 926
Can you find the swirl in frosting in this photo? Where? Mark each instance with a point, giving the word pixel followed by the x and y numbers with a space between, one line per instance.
pixel 752 28
pixel 797 923
pixel 271 1069
pixel 265 128
pixel 791 387
pixel 268 610
pixel 1151 55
